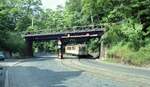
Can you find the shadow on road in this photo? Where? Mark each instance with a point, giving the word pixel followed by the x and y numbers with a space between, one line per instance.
pixel 65 56
pixel 79 57
pixel 42 77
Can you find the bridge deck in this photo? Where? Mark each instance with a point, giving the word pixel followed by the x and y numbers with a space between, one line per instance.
pixel 65 35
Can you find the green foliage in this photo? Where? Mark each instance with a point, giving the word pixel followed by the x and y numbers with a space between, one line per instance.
pixel 72 13
pixel 125 54
pixel 128 31
pixel 45 46
pixel 15 15
pixel 12 42
pixel 23 23
pixel 93 45
pixel 113 35
pixel 119 51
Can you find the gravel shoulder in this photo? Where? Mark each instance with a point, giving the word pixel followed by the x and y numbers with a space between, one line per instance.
pixel 117 67
pixel 109 71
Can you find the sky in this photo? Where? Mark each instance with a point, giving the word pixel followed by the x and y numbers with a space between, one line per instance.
pixel 52 4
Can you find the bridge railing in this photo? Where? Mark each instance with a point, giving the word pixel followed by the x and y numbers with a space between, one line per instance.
pixel 66 30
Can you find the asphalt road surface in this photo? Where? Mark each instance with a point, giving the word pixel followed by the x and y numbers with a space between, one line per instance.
pixel 49 72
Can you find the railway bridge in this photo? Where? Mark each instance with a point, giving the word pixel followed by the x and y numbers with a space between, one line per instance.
pixel 79 33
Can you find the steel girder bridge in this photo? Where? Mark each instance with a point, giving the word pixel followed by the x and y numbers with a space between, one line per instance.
pixel 79 33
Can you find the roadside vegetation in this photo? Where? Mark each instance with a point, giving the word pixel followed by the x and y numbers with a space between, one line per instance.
pixel 127 25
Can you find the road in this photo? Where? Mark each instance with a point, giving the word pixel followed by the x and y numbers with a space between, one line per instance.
pixel 49 72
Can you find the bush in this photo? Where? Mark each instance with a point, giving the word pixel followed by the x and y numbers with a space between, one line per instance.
pixel 142 56
pixel 93 45
pixel 126 55
pixel 13 43
pixel 119 51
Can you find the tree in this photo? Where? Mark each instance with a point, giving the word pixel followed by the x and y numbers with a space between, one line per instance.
pixel 72 13
pixel 15 16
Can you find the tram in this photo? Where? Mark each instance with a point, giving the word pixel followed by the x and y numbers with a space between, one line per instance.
pixel 78 50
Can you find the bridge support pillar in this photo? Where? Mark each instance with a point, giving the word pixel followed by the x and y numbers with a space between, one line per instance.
pixel 61 49
pixel 99 48
pixel 103 51
pixel 29 50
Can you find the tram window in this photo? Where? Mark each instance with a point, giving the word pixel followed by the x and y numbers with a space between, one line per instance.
pixel 82 48
pixel 73 48
pixel 68 48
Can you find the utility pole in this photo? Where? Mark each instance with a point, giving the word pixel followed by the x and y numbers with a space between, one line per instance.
pixel 92 21
pixel 32 21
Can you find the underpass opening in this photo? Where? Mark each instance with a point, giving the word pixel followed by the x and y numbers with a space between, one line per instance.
pixel 82 47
